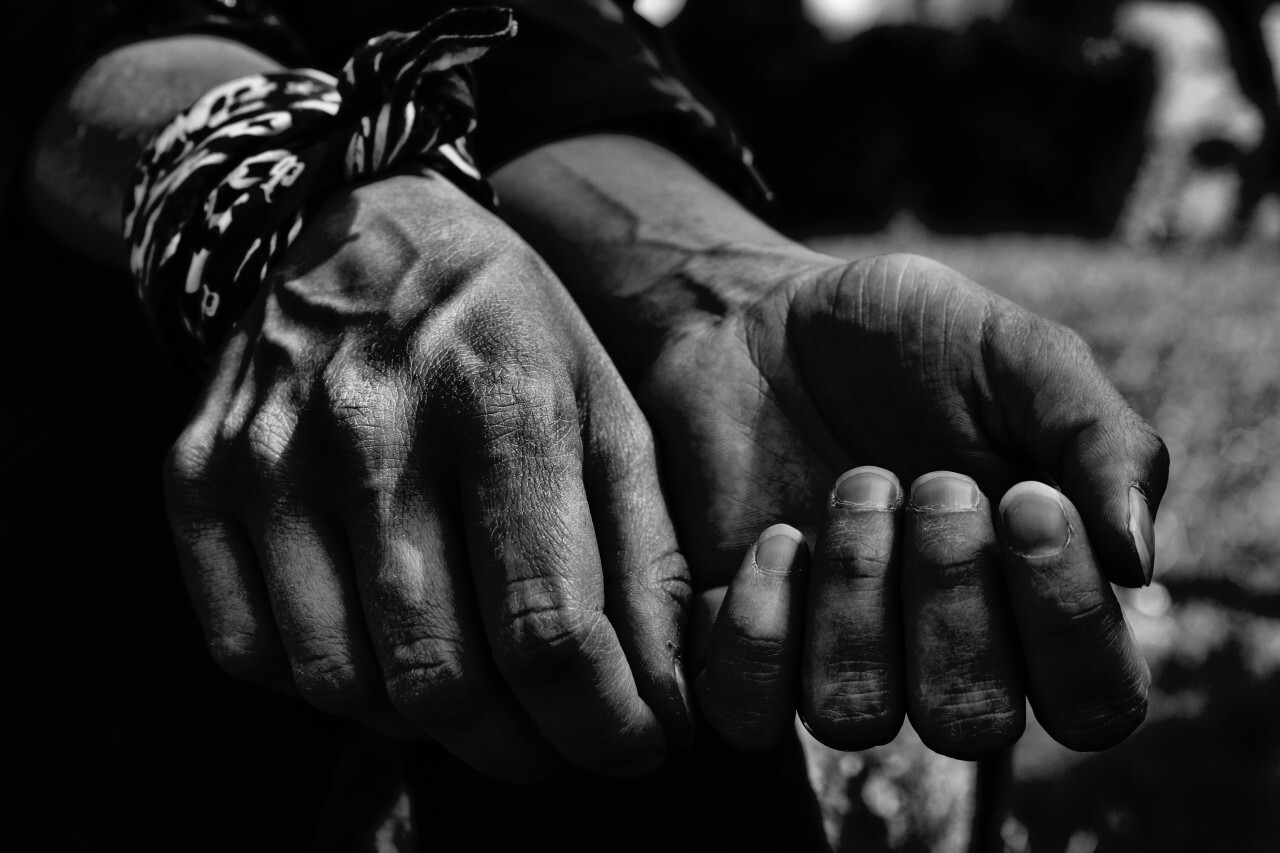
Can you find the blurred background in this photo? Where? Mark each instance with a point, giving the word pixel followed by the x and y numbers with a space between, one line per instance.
pixel 1113 166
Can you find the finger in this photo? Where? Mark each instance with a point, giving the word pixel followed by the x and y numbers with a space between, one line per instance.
pixel 414 580
pixel 221 573
pixel 1086 677
pixel 539 581
pixel 964 688
pixel 646 580
pixel 748 689
pixel 852 689
pixel 306 564
pixel 1107 459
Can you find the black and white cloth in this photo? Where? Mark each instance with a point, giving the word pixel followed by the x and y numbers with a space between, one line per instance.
pixel 223 190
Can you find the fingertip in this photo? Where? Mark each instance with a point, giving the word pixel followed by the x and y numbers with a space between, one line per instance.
pixel 945 491
pixel 1035 520
pixel 779 550
pixel 783 530
pixel 867 487
pixel 1029 487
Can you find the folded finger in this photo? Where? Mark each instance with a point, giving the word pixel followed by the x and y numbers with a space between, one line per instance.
pixel 1086 677
pixel 852 687
pixel 223 577
pixel 646 579
pixel 420 606
pixel 306 563
pixel 539 581
pixel 748 689
pixel 964 685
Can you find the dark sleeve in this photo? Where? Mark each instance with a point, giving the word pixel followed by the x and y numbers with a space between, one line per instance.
pixel 47 42
pixel 575 67
pixel 591 66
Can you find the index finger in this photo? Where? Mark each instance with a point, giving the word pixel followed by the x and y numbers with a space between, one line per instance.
pixel 1086 678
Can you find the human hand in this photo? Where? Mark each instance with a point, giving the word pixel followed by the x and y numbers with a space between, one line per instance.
pixel 903 363
pixel 921 610
pixel 416 492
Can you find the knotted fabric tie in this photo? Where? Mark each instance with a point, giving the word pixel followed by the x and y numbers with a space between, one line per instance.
pixel 222 191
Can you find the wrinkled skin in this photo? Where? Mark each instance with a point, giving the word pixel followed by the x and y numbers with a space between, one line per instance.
pixel 925 605
pixel 416 492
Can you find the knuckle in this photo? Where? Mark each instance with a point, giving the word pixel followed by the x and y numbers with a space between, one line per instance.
pixel 1093 706
pixel 859 698
pixel 523 406
pixel 429 684
pixel 1099 724
pixel 749 712
pixel 240 655
pixel 971 721
pixel 188 470
pixel 539 641
pixel 758 648
pixel 193 488
pixel 662 582
pixel 267 441
pixel 854 559
pixel 351 393
pixel 853 717
pixel 373 417
pixel 188 460
pixel 330 682
pixel 1079 617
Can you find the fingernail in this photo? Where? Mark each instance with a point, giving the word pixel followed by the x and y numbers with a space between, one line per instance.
pixel 944 490
pixel 1035 522
pixel 868 487
pixel 1142 532
pixel 776 550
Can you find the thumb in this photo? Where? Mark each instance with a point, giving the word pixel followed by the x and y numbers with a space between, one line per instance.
pixel 748 689
pixel 1070 419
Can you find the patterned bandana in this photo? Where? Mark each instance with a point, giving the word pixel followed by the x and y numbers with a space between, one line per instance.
pixel 222 191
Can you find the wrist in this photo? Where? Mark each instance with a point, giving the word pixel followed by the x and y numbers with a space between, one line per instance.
pixel 645 243
pixel 697 291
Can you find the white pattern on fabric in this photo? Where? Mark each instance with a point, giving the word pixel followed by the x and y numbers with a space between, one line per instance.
pixel 222 191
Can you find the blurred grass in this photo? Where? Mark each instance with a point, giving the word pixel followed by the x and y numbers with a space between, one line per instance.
pixel 1191 336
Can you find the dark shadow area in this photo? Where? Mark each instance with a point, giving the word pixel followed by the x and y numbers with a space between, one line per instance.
pixel 1215 721
pixel 1034 123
